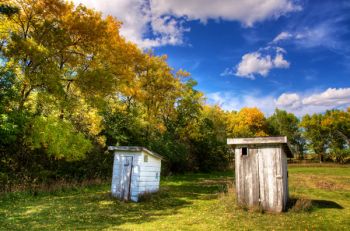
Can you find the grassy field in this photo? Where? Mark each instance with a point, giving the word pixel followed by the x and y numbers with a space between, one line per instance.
pixel 188 202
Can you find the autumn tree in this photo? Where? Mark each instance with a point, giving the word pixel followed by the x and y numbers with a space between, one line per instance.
pixel 64 68
pixel 248 122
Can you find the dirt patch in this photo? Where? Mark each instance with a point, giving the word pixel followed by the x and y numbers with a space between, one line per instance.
pixel 216 182
pixel 319 182
pixel 328 185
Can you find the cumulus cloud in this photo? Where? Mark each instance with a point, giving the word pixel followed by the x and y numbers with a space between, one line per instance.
pixel 298 103
pixel 248 12
pixel 292 101
pixel 232 102
pixel 330 97
pixel 152 23
pixel 139 21
pixel 253 63
pixel 315 102
pixel 257 63
pixel 280 62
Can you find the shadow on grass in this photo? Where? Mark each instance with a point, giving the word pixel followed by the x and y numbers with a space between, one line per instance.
pixel 96 209
pixel 307 205
pixel 324 204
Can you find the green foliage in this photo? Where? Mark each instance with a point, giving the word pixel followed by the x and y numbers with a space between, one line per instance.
pixel 8 10
pixel 58 138
pixel 8 129
pixel 340 155
pixel 328 133
pixel 282 123
pixel 316 133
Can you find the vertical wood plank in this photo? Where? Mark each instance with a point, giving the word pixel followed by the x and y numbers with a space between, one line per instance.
pixel 247 177
pixel 279 180
pixel 261 177
pixel 238 176
pixel 267 177
pixel 285 180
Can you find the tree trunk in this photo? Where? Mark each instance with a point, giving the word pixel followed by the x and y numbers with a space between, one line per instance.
pixel 320 156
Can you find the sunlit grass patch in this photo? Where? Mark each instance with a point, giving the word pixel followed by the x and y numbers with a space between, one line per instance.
pixel 185 202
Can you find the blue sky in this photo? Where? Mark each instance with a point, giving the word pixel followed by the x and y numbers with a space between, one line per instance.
pixel 294 55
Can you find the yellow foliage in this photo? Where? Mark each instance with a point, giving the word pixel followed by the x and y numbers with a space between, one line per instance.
pixel 248 122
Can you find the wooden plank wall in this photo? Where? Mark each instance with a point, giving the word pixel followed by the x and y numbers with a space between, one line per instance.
pixel 261 177
pixel 270 178
pixel 247 178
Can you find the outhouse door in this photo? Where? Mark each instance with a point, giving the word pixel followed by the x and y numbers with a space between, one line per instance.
pixel 259 178
pixel 270 179
pixel 247 176
pixel 126 175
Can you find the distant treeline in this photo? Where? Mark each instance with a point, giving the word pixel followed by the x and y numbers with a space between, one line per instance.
pixel 70 85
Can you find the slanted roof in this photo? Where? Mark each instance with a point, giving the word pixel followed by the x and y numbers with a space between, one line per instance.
pixel 135 149
pixel 263 140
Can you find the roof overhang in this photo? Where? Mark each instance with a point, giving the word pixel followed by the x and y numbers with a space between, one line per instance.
pixel 134 149
pixel 263 140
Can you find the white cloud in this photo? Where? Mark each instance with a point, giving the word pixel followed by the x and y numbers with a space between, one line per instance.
pixel 248 12
pixel 280 62
pixel 253 63
pixel 330 97
pixel 228 71
pixel 326 34
pixel 297 103
pixel 317 102
pixel 152 23
pixel 134 14
pixel 231 102
pixel 282 36
pixel 257 63
pixel 318 35
pixel 292 101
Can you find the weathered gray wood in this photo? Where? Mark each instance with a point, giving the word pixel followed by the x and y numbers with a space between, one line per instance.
pixel 247 178
pixel 263 141
pixel 261 176
pixel 267 178
pixel 285 180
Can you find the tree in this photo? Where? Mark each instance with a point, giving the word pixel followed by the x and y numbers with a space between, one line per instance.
pixel 282 123
pixel 62 67
pixel 59 138
pixel 338 124
pixel 316 133
pixel 248 122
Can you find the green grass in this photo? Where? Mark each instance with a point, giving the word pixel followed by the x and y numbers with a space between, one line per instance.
pixel 187 202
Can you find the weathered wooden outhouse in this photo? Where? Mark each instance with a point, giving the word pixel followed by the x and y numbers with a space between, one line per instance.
pixel 136 170
pixel 261 172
